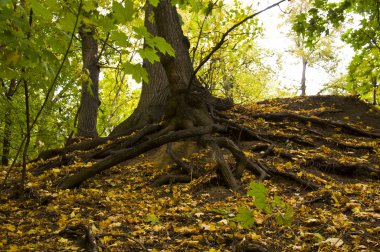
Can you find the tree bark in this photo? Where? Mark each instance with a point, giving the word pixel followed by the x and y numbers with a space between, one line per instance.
pixel 303 79
pixel 8 125
pixel 187 104
pixel 374 84
pixel 154 94
pixel 88 110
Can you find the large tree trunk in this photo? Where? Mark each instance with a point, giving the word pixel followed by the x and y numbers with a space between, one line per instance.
pixel 88 110
pixel 167 91
pixel 153 94
pixel 186 106
pixel 303 79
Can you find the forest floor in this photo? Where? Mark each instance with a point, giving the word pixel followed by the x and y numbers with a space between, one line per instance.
pixel 118 210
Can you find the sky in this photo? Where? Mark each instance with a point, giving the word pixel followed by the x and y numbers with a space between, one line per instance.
pixel 275 40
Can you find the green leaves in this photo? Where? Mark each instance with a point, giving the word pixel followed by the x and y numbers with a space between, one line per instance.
pixel 245 217
pixel 40 10
pixel 137 71
pixel 154 2
pixel 260 193
pixel 152 219
pixel 163 46
pixel 283 212
pixel 286 218
pixel 149 54
pixel 123 13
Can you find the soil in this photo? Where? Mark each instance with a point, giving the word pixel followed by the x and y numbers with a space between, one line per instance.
pixel 124 213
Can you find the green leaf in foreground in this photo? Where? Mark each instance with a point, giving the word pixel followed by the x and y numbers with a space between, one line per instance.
pixel 152 219
pixel 285 219
pixel 244 217
pixel 259 191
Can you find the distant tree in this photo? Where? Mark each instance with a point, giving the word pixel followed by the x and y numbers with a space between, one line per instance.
pixel 363 36
pixel 319 53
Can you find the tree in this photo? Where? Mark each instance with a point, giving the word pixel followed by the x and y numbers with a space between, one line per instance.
pixel 88 108
pixel 154 93
pixel 188 109
pixel 10 91
pixel 250 78
pixel 363 74
pixel 320 52
pixel 326 16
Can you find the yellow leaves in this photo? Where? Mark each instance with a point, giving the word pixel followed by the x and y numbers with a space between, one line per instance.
pixel 248 154
pixel 254 236
pixel 334 196
pixel 335 242
pixel 213 250
pixel 9 227
pixel 354 207
pixel 208 226
pixel 63 240
pixel 56 171
pixel 110 222
pixel 199 214
pixel 299 174
pixel 186 230
pixel 324 149
pixel 72 215
pixel 13 248
pixel 106 239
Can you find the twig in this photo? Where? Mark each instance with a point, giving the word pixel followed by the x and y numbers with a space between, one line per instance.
pixel 223 39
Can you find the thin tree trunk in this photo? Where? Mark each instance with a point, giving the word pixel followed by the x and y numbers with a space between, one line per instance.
pixel 303 79
pixel 26 146
pixel 153 94
pixel 88 109
pixel 374 84
pixel 8 125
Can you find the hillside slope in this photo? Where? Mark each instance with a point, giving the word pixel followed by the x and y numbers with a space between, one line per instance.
pixel 322 153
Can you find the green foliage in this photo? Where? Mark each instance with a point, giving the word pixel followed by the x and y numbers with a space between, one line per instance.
pixel 245 217
pixel 361 24
pixel 282 212
pixel 152 219
pixel 123 13
pixel 239 70
pixel 259 192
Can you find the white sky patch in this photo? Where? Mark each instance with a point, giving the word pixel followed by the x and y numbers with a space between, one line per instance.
pixel 276 41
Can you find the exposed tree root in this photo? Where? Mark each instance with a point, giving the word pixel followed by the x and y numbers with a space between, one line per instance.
pixel 329 165
pixel 125 143
pixel 223 166
pixel 60 161
pixel 67 156
pixel 190 170
pixel 186 122
pixel 241 128
pixel 289 175
pixel 80 231
pixel 125 154
pixel 323 122
pixel 92 143
pixel 177 178
pixel 171 178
